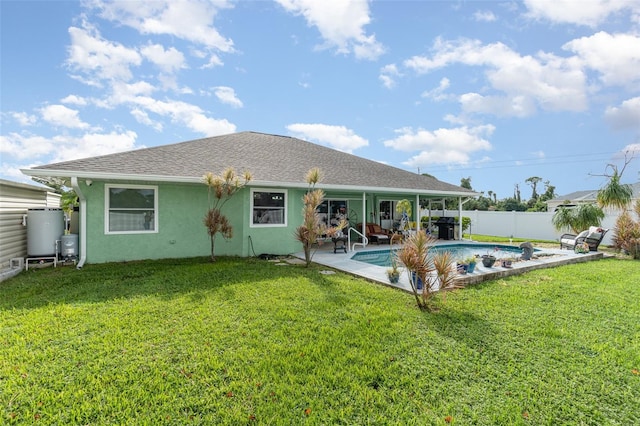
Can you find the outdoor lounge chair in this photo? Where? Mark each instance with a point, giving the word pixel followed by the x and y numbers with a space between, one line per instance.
pixel 592 236
pixel 376 234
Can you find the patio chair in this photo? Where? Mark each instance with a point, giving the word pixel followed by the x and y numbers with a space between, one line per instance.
pixel 592 236
pixel 376 234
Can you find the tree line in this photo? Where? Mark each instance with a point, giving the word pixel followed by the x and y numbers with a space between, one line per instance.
pixel 489 200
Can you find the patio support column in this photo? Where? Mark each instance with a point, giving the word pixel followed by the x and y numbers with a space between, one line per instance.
pixel 417 209
pixel 364 214
pixel 460 218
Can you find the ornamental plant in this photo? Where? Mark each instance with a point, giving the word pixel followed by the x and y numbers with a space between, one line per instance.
pixel 220 190
pixel 415 257
pixel 626 235
pixel 581 248
pixel 312 229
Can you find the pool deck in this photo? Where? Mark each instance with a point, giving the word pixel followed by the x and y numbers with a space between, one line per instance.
pixel 544 258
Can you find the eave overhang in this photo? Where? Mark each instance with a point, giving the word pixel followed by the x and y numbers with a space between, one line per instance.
pixel 258 184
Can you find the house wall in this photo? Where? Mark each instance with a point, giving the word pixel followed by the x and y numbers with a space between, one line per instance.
pixel 181 232
pixel 15 200
pixel 276 240
pixel 180 229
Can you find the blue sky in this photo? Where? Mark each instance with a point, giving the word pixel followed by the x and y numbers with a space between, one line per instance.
pixel 498 91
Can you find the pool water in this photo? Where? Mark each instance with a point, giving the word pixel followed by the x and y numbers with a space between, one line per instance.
pixel 459 252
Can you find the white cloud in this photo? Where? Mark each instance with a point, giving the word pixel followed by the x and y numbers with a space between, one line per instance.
pixel 100 59
pixel 214 61
pixel 186 114
pixel 143 118
pixel 438 94
pixel 501 106
pixel 24 119
pixel 61 116
pixel 168 60
pixel 13 172
pixel 338 137
pixel 455 119
pixel 626 116
pixel 388 74
pixel 589 12
pixel 74 100
pixel 630 150
pixel 615 56
pixel 341 24
pixel 64 148
pixel 442 146
pixel 547 81
pixel 21 146
pixel 484 16
pixel 122 93
pixel 227 95
pixel 93 144
pixel 190 20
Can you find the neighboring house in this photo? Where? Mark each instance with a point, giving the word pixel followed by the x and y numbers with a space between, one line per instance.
pixel 15 201
pixel 584 197
pixel 150 203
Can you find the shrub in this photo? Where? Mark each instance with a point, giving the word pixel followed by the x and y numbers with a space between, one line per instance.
pixel 312 228
pixel 220 190
pixel 627 232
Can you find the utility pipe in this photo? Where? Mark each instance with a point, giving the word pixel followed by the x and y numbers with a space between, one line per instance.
pixel 83 222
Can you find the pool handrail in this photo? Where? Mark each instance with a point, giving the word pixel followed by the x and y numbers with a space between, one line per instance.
pixel 364 242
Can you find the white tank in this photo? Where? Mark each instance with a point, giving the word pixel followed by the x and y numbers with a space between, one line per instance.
pixel 69 246
pixel 45 226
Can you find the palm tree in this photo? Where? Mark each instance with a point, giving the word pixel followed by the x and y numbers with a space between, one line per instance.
pixel 615 194
pixel 578 218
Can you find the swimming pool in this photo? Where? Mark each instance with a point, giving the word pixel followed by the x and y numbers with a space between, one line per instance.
pixel 459 251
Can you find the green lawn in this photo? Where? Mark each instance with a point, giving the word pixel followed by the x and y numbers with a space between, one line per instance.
pixel 245 341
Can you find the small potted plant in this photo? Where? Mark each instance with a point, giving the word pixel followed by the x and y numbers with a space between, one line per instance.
pixel 466 265
pixel 393 273
pixel 488 260
pixel 506 262
pixel 471 261
pixel 581 248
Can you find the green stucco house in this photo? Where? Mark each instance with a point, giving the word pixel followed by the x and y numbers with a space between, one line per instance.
pixel 150 203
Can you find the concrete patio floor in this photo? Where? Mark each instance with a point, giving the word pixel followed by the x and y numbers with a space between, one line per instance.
pixel 544 258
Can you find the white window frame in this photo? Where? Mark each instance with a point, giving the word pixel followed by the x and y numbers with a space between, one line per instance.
pixel 107 202
pixel 285 211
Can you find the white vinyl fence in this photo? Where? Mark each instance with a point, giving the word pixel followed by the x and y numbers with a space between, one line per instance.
pixel 527 225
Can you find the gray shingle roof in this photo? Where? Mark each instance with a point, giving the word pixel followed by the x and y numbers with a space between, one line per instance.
pixel 591 195
pixel 270 158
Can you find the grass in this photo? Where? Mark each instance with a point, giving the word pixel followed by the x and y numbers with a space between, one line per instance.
pixel 245 341
pixel 494 239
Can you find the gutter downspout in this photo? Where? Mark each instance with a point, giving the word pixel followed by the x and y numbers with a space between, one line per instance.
pixel 83 222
